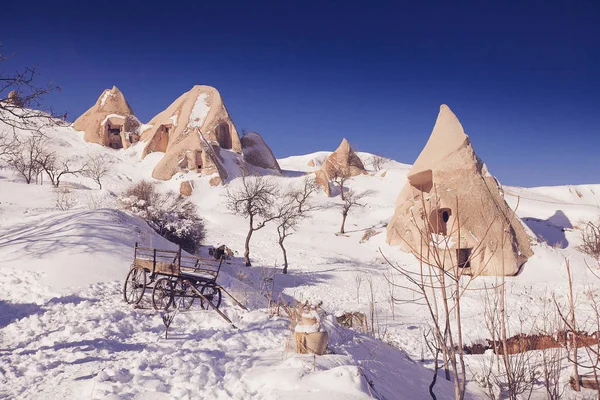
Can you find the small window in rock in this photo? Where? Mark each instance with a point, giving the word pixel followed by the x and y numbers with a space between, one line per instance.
pixel 438 221
pixel 463 257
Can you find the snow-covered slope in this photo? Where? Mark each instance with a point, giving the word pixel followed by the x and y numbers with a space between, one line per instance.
pixel 66 333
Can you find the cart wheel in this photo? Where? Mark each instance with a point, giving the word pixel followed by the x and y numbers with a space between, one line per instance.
pixel 212 294
pixel 162 294
pixel 135 285
pixel 184 294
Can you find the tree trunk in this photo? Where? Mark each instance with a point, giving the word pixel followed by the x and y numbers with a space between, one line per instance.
pixel 247 249
pixel 344 215
pixel 285 261
pixel 576 387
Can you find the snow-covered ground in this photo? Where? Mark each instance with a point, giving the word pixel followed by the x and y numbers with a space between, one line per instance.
pixel 65 331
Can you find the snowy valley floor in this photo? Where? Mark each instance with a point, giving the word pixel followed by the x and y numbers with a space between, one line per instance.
pixel 65 332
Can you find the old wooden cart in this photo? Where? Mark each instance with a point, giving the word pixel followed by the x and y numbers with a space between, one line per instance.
pixel 175 280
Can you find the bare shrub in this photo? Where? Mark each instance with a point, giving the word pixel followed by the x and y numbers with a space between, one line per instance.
pixel 358 279
pixel 167 318
pixel 96 200
pixel 64 199
pixel 144 191
pixel 378 162
pixel 590 238
pixel 131 125
pixel 356 320
pixel 369 233
pixel 170 214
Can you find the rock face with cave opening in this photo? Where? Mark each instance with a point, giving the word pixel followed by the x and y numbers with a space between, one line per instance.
pixel 448 184
pixel 191 132
pixel 104 122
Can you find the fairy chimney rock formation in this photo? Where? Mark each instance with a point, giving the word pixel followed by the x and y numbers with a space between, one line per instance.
pixel 257 153
pixel 104 122
pixel 343 162
pixel 191 132
pixel 448 184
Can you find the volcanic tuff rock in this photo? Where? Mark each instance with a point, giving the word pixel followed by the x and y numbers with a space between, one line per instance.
pixel 449 183
pixel 103 123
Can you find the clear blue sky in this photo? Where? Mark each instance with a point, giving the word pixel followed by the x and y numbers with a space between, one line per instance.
pixel 523 77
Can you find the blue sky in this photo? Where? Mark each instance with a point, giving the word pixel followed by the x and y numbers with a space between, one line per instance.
pixel 523 77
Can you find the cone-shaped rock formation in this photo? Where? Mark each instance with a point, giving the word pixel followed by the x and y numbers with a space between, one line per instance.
pixel 342 163
pixel 449 187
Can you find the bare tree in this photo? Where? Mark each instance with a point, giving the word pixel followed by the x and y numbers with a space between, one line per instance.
pixel 26 162
pixel 254 201
pixel 301 196
pixel 350 199
pixel 378 162
pixel 438 284
pixel 21 99
pixel 96 169
pixel 9 145
pixel 56 167
pixel 578 338
pixel 339 179
pixel 292 208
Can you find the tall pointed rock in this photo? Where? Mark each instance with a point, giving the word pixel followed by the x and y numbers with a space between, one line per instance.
pixel 343 162
pixel 448 184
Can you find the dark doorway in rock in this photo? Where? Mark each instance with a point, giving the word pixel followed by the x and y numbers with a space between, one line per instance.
pixel 463 257
pixel 223 135
pixel 114 137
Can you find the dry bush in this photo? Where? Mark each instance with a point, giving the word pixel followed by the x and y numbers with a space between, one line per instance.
pixel 64 199
pixel 131 125
pixel 590 237
pixel 170 214
pixel 97 200
pixel 369 233
pixel 143 191
pixel 378 162
pixel 355 320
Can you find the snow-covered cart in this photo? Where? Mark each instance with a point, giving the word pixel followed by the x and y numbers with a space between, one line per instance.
pixel 175 280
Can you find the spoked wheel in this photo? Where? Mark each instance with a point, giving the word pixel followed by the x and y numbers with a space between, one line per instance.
pixel 212 294
pixel 184 294
pixel 162 294
pixel 135 285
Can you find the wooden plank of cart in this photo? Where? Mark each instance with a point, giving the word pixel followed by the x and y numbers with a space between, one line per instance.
pixel 176 281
